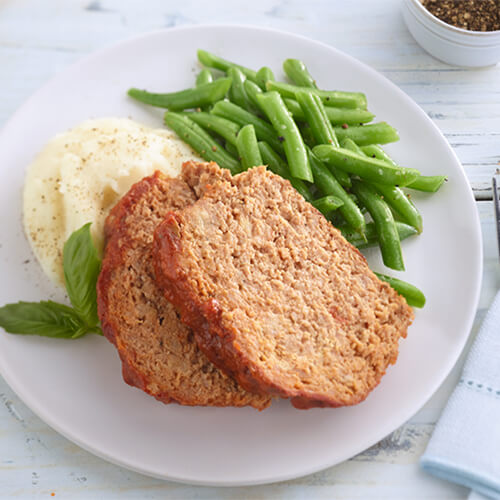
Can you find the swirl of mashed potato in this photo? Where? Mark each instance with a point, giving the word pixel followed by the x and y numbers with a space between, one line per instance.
pixel 80 175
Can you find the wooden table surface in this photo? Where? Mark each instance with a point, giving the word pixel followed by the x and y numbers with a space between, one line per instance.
pixel 40 38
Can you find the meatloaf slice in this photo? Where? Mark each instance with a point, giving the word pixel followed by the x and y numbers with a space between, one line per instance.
pixel 158 352
pixel 278 298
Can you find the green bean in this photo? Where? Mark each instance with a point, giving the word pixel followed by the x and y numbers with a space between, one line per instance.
pixel 337 172
pixel 252 90
pixel 263 75
pixel 327 204
pixel 337 116
pixel 385 226
pixel 323 130
pixel 248 150
pixel 213 61
pixel 343 177
pixel 373 133
pixel 377 152
pixel 404 231
pixel 351 146
pixel 297 72
pixel 392 195
pixel 273 160
pixel 367 168
pixel 307 134
pixel 295 150
pixel 315 115
pixel 237 92
pixel 427 183
pixel 401 204
pixel 200 141
pixel 328 185
pixel 203 95
pixel 263 130
pixel 231 149
pixel 414 297
pixel 328 97
pixel 204 76
pixel 279 167
pixel 227 129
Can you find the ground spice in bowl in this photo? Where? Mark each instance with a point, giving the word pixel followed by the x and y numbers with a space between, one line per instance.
pixel 472 15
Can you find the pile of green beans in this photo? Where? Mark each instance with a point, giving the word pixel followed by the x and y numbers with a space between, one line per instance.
pixel 320 140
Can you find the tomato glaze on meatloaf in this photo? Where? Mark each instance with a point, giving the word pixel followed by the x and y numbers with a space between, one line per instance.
pixel 276 296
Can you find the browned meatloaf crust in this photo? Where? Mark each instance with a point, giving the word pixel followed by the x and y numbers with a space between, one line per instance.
pixel 158 352
pixel 277 297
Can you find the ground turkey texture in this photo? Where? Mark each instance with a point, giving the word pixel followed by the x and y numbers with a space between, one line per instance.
pixel 277 298
pixel 158 352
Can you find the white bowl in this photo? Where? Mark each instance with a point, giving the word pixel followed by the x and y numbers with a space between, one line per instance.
pixel 448 43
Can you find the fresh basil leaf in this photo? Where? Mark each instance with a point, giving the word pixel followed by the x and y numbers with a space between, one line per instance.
pixel 45 318
pixel 51 319
pixel 86 329
pixel 81 270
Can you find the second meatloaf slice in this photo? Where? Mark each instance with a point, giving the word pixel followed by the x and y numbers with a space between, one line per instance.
pixel 276 296
pixel 158 352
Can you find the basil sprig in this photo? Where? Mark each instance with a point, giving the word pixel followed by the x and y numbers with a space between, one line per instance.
pixel 81 266
pixel 50 319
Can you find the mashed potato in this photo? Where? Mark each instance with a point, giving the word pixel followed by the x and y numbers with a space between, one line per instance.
pixel 81 174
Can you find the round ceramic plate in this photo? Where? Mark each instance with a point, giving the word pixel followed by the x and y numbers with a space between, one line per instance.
pixel 76 386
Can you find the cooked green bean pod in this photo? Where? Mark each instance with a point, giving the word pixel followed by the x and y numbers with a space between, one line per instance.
pixel 315 115
pixel 414 297
pixel 426 183
pixel 327 184
pixel 393 196
pixel 263 130
pixel 237 93
pixel 401 204
pixel 404 231
pixel 367 168
pixel 231 149
pixel 343 177
pixel 285 127
pixel 377 152
pixel 351 146
pixel 297 72
pixel 373 133
pixel 248 150
pixel 227 129
pixel 253 90
pixel 385 225
pixel 204 76
pixel 327 204
pixel 317 130
pixel 337 116
pixel 263 75
pixel 307 134
pixel 279 167
pixel 200 141
pixel 197 97
pixel 329 97
pixel 213 61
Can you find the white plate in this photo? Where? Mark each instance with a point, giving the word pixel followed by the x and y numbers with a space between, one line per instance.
pixel 76 386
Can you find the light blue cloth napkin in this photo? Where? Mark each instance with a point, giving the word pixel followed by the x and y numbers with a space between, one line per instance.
pixel 465 446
